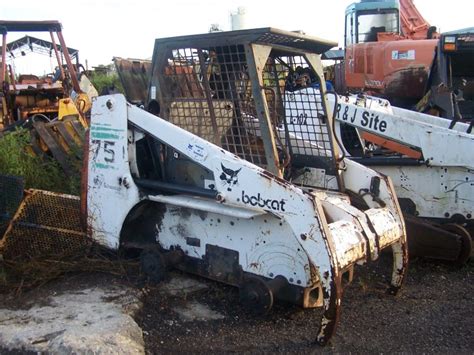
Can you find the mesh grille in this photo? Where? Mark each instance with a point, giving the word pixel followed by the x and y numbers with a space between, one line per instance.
pixel 46 224
pixel 207 90
pixel 305 119
pixel 209 94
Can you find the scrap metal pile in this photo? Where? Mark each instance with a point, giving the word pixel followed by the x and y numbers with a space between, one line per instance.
pixel 240 172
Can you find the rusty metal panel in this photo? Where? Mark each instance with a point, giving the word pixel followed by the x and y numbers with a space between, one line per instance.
pixel 134 75
pixel 48 137
pixel 63 139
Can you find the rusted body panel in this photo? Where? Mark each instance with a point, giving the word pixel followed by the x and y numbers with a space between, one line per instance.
pixel 393 69
pixel 134 75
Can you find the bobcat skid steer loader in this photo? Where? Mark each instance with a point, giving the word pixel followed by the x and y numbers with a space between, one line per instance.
pixel 247 227
pixel 428 163
pixel 198 191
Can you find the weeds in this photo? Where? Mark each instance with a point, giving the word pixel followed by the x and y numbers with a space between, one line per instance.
pixel 17 276
pixel 16 158
pixel 106 82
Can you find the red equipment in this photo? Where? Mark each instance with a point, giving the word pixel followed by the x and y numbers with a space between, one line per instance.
pixel 389 50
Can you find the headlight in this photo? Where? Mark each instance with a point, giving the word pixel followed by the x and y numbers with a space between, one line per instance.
pixel 449 43
pixel 450 39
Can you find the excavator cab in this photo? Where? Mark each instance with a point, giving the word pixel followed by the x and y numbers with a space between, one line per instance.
pixel 367 19
pixel 389 49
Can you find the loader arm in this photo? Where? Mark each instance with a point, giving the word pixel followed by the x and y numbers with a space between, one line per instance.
pixel 427 160
pixel 413 129
pixel 248 213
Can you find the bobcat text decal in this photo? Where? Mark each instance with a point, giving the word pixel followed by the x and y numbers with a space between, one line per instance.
pixel 274 205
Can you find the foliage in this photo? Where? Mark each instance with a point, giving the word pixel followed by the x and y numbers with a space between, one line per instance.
pixel 104 82
pixel 17 158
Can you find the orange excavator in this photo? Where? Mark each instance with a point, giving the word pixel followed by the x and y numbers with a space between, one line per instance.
pixel 391 51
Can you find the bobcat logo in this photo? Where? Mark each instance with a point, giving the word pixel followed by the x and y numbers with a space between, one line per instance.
pixel 229 177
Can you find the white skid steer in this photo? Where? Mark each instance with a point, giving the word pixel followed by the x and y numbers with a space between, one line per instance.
pixel 201 191
pixel 252 229
pixel 427 159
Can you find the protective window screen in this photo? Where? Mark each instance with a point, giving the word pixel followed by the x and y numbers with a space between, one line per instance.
pixel 302 122
pixel 208 91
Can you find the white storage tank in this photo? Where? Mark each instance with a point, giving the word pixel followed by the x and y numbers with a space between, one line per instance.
pixel 238 19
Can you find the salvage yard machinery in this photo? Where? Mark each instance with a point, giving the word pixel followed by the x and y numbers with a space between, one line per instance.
pixel 426 158
pixel 53 106
pixel 200 190
pixel 392 52
pixel 432 175
pixel 211 188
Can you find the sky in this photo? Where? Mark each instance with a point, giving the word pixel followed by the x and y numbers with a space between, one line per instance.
pixel 125 28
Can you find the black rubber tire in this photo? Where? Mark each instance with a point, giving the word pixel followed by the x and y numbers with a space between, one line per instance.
pixel 153 265
pixel 256 296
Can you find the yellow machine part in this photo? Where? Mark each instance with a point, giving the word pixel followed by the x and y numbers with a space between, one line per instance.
pixel 67 107
pixel 83 102
pixel 3 112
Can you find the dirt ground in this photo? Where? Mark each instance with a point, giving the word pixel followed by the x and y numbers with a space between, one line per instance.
pixel 433 314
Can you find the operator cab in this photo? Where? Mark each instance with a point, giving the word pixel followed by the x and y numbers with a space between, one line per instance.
pixel 365 19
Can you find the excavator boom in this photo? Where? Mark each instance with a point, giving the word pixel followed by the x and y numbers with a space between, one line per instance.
pixel 413 24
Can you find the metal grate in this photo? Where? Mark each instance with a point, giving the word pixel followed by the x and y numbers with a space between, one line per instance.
pixel 305 121
pixel 208 93
pixel 209 90
pixel 46 224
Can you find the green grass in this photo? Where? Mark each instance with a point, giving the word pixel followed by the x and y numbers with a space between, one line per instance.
pixel 102 81
pixel 38 172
